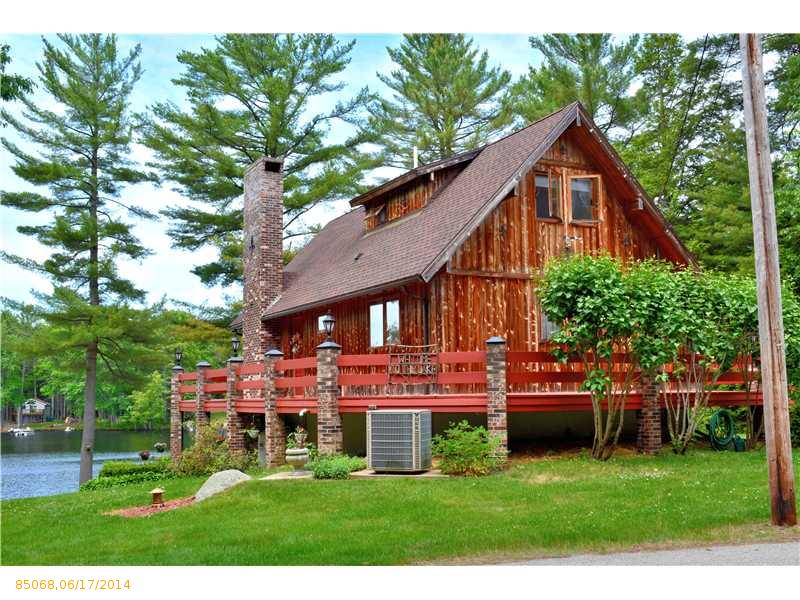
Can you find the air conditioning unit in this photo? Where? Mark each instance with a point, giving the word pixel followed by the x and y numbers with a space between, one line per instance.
pixel 399 440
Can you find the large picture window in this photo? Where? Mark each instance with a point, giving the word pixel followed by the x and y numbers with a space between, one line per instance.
pixel 548 196
pixel 584 198
pixel 384 323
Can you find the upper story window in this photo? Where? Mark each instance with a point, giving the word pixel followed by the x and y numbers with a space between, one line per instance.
pixel 384 323
pixel 585 194
pixel 548 329
pixel 548 196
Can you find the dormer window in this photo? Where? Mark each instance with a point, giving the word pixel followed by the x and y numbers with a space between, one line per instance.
pixel 376 215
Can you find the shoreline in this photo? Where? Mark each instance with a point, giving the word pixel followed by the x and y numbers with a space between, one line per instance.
pixel 6 428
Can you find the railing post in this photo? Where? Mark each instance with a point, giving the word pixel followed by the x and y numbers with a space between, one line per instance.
pixel 648 425
pixel 496 413
pixel 274 429
pixel 329 422
pixel 233 423
pixel 200 397
pixel 175 420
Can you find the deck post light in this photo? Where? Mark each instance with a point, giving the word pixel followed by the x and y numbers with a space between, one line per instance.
pixel 329 322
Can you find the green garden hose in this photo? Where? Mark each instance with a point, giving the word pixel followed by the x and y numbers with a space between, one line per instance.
pixel 721 430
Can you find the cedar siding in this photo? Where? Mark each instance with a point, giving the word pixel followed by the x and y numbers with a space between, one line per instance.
pixel 487 286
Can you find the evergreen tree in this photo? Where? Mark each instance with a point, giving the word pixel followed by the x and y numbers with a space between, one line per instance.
pixel 588 67
pixel 687 99
pixel 719 231
pixel 84 147
pixel 250 96
pixel 784 113
pixel 445 100
pixel 784 78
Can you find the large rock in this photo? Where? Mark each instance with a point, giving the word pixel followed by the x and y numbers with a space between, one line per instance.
pixel 219 482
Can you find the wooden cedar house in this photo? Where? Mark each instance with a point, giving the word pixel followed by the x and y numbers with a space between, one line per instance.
pixel 419 276
pixel 444 256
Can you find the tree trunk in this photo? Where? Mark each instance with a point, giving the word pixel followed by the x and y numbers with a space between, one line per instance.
pixel 90 391
pixel 87 439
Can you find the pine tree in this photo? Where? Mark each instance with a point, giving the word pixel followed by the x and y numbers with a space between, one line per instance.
pixel 446 99
pixel 83 149
pixel 250 96
pixel 587 67
pixel 719 230
pixel 784 112
pixel 687 100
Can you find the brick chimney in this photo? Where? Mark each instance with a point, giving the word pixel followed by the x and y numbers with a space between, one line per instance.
pixel 262 252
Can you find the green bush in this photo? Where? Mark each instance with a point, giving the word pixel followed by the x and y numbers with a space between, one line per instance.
pixel 114 468
pixel 794 423
pixel 109 481
pixel 466 450
pixel 210 454
pixel 336 467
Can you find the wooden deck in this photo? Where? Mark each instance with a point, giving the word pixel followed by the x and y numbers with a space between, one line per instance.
pixel 449 382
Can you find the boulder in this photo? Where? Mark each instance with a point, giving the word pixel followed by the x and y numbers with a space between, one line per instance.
pixel 219 482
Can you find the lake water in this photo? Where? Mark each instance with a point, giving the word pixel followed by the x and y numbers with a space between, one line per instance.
pixel 48 462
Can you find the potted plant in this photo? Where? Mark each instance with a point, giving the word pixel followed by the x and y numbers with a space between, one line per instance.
pixel 296 451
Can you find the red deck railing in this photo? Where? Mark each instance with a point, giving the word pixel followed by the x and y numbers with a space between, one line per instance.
pixel 445 382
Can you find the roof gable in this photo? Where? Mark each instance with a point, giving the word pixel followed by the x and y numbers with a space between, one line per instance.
pixel 343 261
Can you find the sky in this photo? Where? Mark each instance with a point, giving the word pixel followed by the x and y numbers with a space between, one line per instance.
pixel 167 272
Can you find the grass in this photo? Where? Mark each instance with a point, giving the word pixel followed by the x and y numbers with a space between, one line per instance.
pixel 541 507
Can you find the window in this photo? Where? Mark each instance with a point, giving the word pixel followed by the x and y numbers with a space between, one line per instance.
pixel 377 215
pixel 382 213
pixel 548 196
pixel 548 328
pixel 320 326
pixel 584 198
pixel 384 323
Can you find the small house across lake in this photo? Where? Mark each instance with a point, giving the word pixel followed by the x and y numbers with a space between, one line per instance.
pixel 429 280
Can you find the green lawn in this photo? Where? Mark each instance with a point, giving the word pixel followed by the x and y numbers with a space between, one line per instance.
pixel 542 507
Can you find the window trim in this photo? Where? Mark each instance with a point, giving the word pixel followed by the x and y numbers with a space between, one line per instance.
pixel 385 321
pixel 597 186
pixel 550 176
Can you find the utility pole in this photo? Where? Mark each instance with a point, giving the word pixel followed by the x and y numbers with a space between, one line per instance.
pixel 770 316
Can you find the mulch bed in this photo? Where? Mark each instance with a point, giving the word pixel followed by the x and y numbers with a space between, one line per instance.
pixel 146 511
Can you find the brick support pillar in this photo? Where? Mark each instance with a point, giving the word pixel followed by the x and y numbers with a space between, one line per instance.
pixel 175 420
pixel 274 428
pixel 648 426
pixel 201 418
pixel 233 423
pixel 496 415
pixel 329 422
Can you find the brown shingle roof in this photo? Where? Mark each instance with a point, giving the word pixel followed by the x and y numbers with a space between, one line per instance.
pixel 416 246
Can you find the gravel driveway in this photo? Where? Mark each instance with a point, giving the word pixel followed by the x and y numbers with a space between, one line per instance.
pixel 785 553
